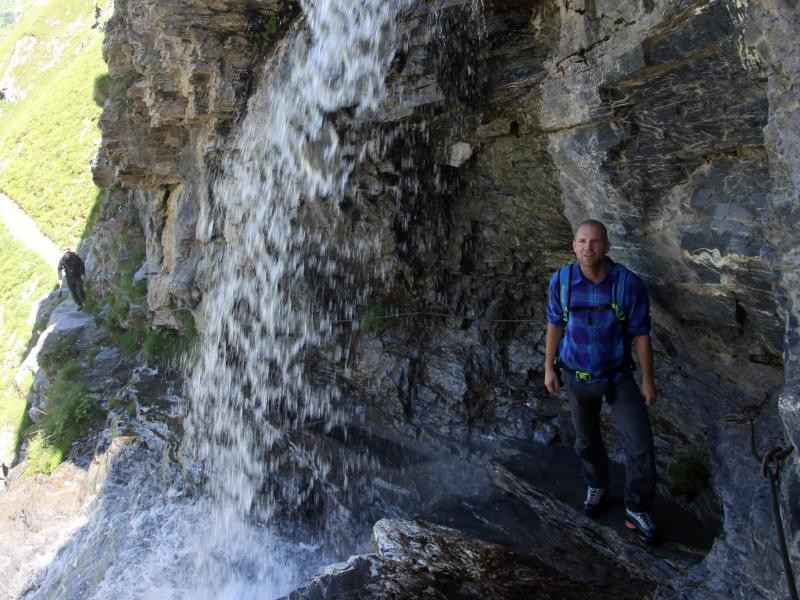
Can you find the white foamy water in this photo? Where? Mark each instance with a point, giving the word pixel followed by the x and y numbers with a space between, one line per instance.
pixel 141 536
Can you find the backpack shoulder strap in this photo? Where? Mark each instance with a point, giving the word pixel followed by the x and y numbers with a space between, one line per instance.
pixel 565 286
pixel 618 291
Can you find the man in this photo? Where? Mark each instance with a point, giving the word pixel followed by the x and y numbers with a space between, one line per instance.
pixel 596 311
pixel 73 266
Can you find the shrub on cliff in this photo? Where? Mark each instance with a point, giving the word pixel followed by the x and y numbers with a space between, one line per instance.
pixel 688 476
pixel 70 410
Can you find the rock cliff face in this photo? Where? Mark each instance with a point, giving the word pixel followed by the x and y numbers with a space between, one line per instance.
pixel 673 122
pixel 185 71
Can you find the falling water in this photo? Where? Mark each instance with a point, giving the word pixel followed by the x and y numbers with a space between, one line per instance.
pixel 251 388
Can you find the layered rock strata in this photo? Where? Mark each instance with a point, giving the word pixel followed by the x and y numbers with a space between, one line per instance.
pixel 183 72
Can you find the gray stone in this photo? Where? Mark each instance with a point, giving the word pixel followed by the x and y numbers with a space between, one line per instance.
pixel 460 152
pixel 545 433
pixel 421 560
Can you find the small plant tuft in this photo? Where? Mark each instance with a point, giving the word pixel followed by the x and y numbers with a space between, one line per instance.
pixel 688 476
pixel 132 341
pixel 162 345
pixel 91 305
pixel 265 30
pixel 107 87
pixel 70 410
pixel 376 319
pixel 58 353
pixel 70 371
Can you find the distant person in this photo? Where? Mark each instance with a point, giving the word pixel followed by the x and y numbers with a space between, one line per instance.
pixel 72 265
pixel 596 311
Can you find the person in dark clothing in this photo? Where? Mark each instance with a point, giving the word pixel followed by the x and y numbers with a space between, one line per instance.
pixel 72 265
pixel 597 312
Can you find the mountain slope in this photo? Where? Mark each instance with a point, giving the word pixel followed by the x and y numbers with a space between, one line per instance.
pixel 49 63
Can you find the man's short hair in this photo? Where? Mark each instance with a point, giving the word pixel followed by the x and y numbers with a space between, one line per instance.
pixel 596 224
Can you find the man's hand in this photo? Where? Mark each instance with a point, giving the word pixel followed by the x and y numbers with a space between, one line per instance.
pixel 551 381
pixel 554 333
pixel 649 393
pixel 644 351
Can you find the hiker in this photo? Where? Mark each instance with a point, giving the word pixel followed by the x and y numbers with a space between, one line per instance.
pixel 73 266
pixel 597 309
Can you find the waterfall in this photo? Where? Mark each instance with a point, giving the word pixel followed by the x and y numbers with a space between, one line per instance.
pixel 281 282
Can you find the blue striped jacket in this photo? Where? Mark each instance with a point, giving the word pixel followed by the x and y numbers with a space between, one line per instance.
pixel 596 341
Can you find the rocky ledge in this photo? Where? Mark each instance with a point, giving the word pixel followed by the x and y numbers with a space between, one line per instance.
pixel 415 559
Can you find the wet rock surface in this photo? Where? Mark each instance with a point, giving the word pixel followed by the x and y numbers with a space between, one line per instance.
pixel 550 482
pixel 415 559
pixel 43 514
pixel 38 513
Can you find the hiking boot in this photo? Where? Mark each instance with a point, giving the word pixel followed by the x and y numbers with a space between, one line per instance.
pixel 643 525
pixel 596 500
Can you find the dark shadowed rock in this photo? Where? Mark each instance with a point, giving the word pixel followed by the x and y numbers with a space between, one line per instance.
pixel 415 559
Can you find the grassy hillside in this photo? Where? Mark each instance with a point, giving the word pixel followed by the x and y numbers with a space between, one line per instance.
pixel 50 59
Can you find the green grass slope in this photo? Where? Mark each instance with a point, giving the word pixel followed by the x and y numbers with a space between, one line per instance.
pixel 52 57
pixel 24 278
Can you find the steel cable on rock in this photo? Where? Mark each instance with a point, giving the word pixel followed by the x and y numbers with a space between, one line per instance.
pixel 771 470
pixel 434 314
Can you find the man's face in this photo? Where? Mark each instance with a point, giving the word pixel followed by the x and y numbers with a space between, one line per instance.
pixel 590 247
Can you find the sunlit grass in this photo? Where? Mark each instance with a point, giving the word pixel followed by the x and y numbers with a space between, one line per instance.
pixel 48 139
pixel 13 402
pixel 48 136
pixel 24 278
pixel 10 11
pixel 61 28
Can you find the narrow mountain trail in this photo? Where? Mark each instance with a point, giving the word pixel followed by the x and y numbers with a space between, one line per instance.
pixel 22 227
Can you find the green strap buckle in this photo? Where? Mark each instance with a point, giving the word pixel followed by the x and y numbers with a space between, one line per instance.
pixel 583 376
pixel 618 312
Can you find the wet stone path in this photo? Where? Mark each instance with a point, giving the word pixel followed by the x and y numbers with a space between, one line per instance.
pixel 549 481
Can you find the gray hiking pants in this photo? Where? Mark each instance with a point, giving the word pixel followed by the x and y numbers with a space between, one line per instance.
pixel 75 284
pixel 633 424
